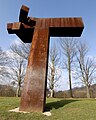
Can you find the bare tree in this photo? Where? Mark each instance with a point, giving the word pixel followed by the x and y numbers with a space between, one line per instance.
pixel 17 70
pixel 87 69
pixel 18 56
pixel 21 49
pixel 53 71
pixel 3 62
pixel 68 46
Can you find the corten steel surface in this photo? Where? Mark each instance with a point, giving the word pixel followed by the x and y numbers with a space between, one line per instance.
pixel 38 31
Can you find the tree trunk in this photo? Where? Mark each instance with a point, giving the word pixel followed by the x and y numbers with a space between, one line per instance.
pixel 88 91
pixel 18 92
pixel 52 94
pixel 70 84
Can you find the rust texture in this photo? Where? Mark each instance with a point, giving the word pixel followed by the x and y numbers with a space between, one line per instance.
pixel 38 31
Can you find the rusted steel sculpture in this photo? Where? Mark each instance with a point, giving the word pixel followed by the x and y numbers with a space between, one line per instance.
pixel 38 31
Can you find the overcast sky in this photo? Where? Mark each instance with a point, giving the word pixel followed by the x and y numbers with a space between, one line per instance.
pixel 9 12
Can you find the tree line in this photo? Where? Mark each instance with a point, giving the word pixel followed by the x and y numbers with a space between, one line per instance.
pixel 69 54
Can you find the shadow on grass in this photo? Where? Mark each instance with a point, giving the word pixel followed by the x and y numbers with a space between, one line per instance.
pixel 58 104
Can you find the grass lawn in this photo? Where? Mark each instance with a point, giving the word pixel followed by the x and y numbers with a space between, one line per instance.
pixel 61 109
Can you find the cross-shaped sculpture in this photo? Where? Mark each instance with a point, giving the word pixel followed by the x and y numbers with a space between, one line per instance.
pixel 38 31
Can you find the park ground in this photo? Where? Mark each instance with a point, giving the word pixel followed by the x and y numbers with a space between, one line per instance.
pixel 61 109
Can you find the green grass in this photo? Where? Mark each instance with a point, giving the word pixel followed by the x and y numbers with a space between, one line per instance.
pixel 61 109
